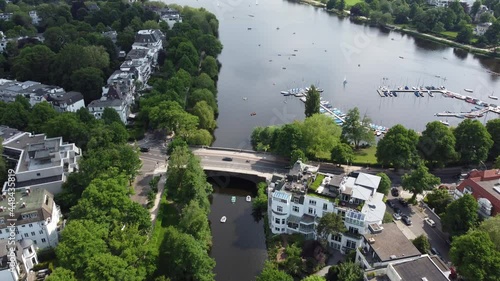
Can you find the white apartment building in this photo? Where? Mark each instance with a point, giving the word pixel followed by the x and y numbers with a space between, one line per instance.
pixel 40 162
pixel 151 39
pixel 26 259
pixel 36 217
pixel 293 210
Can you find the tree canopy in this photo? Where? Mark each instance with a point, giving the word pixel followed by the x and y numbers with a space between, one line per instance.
pixel 461 215
pixel 398 148
pixel 437 144
pixel 312 104
pixel 330 224
pixel 385 183
pixel 355 129
pixel 419 180
pixel 475 256
pixel 473 141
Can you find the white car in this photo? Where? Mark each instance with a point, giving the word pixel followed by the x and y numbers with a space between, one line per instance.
pixel 396 216
pixel 430 222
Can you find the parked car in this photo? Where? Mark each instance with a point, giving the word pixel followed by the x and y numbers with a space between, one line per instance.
pixel 435 252
pixel 395 192
pixel 430 222
pixel 144 149
pixel 396 216
pixel 227 159
pixel 403 202
pixel 391 204
pixel 397 210
pixel 406 219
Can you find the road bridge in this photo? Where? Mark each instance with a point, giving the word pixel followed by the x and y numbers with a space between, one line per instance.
pixel 246 164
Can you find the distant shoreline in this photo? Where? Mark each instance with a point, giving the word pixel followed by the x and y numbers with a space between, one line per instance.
pixel 490 53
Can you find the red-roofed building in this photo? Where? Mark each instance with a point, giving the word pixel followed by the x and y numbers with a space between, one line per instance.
pixel 485 187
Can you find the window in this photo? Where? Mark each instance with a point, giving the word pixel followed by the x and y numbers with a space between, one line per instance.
pixel 0 231
pixel 34 241
pixel 26 235
pixel 312 202
pixel 277 228
pixel 325 206
pixel 37 174
pixel 311 211
pixel 31 225
pixel 336 238
pixel 295 200
pixel 32 233
pixel 282 229
pixel 30 250
pixel 351 244
pixel 277 221
pixel 33 260
pixel 29 216
pixel 283 221
pixel 43 240
pixel 279 209
pixel 41 231
pixel 296 209
pixel 353 230
pixel 23 225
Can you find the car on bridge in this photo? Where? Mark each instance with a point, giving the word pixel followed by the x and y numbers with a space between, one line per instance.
pixel 227 159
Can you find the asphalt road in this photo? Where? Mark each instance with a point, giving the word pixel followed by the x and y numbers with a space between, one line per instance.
pixel 417 214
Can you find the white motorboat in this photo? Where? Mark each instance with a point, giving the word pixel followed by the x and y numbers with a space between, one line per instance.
pixel 223 219
pixel 249 198
pixel 444 123
pixel 493 97
pixel 469 90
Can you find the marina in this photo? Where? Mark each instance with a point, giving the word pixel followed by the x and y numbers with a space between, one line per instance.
pixel 339 117
pixel 479 111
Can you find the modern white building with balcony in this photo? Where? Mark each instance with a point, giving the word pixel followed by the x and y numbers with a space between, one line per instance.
pixel 293 210
pixel 25 256
pixel 40 162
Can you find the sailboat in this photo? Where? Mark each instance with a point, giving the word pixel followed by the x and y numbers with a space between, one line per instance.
pixel 218 4
pixel 345 80
pixel 256 2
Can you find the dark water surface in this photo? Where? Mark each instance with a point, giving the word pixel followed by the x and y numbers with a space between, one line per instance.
pixel 239 247
pixel 327 50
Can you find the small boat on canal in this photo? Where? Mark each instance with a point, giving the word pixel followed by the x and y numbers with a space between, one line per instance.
pixel 233 199
pixel 249 198
pixel 223 219
pixel 469 90
pixel 493 97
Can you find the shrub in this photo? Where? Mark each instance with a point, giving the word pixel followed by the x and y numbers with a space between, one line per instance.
pixel 317 182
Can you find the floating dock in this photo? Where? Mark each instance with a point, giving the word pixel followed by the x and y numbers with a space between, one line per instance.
pixel 484 107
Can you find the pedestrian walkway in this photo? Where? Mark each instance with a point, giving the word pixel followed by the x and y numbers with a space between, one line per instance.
pixel 159 171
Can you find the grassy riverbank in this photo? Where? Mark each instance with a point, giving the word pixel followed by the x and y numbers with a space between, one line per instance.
pixel 446 38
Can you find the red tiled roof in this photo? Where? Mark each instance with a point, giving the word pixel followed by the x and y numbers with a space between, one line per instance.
pixel 484 175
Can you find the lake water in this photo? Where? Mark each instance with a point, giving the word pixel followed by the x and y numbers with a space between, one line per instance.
pixel 239 247
pixel 328 49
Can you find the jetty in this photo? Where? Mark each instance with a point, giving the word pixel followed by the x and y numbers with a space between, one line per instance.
pixel 303 99
pixel 483 108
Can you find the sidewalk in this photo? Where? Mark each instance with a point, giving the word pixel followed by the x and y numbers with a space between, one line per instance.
pixel 162 171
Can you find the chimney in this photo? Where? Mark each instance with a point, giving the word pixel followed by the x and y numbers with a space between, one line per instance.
pixel 371 240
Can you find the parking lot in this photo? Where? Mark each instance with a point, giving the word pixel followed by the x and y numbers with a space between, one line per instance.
pixel 417 214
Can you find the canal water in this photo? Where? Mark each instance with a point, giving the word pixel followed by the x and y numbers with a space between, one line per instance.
pixel 277 45
pixel 239 247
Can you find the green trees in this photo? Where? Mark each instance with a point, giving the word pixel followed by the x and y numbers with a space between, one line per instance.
pixel 210 67
pixel 259 203
pixel 385 183
pixel 342 154
pixel 473 141
pixel 475 256
pixel 422 244
pixel 33 63
pixel 439 199
pixel 330 224
pixel 493 127
pixel 398 147
pixel 320 135
pixel 205 115
pixel 437 144
pixel 419 180
pixel 346 271
pixel 312 102
pixel 61 274
pixel 461 215
pixel 355 129
pixel 187 259
pixel 314 278
pixel 491 226
pixel 272 273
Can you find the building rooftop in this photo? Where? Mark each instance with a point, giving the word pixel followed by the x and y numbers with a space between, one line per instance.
pixel 374 208
pixel 31 206
pixel 7 133
pixel 65 98
pixel 418 269
pixel 106 103
pixel 38 151
pixel 135 54
pixel 148 36
pixel 391 244
pixel 367 180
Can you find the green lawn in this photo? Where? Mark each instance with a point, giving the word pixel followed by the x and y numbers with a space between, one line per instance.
pixel 350 3
pixel 450 34
pixel 365 156
pixel 167 215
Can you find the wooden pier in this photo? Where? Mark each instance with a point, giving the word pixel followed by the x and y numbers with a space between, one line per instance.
pixel 425 92
pixel 303 99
